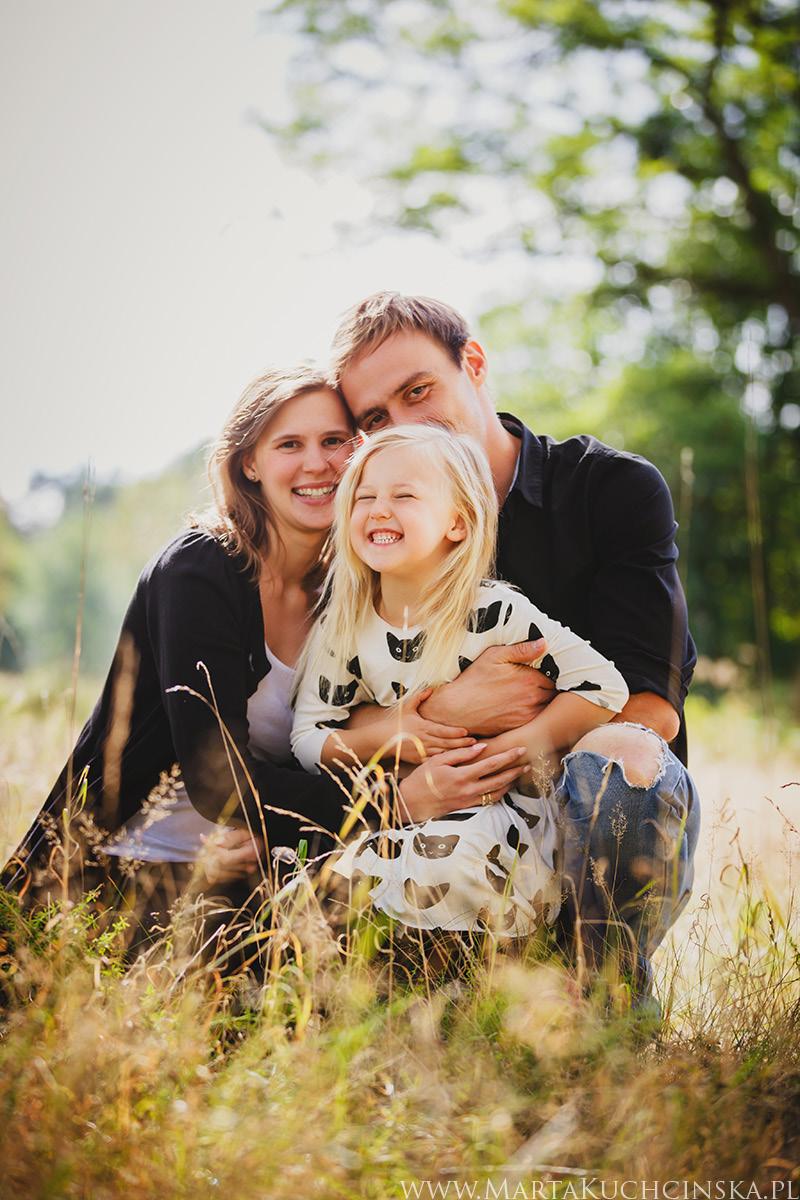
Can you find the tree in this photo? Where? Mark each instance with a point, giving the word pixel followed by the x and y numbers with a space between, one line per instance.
pixel 658 142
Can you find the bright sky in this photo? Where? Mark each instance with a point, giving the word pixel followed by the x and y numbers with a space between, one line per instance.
pixel 156 251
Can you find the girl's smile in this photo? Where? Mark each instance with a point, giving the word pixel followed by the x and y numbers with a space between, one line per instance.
pixel 404 521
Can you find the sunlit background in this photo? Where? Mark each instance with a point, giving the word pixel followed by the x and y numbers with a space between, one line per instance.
pixel 609 192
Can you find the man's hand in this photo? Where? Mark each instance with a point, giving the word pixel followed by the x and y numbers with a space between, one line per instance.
pixel 499 692
pixel 230 854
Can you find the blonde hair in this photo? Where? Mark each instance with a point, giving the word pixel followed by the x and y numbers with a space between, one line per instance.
pixel 241 518
pixel 369 324
pixel 353 588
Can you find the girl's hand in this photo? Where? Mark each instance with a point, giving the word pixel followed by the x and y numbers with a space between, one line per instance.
pixel 455 779
pixel 422 739
pixel 230 854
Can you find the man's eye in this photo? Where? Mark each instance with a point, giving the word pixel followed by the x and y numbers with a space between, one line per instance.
pixel 374 421
pixel 416 393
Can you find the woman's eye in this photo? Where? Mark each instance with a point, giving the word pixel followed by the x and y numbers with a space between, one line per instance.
pixel 291 444
pixel 335 441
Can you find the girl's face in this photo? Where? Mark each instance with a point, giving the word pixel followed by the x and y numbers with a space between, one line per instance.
pixel 298 461
pixel 404 521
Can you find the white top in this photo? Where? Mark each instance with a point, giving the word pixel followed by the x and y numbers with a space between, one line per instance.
pixel 382 665
pixel 173 830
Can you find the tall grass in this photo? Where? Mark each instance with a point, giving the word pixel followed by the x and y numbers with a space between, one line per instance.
pixel 333 1077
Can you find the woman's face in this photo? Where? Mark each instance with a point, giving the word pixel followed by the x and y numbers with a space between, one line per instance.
pixel 299 458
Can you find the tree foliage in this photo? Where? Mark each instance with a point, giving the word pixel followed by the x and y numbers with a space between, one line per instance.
pixel 654 145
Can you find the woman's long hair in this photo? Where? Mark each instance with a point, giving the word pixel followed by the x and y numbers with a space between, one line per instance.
pixel 352 588
pixel 241 518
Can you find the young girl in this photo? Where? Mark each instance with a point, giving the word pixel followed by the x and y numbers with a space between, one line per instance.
pixel 409 608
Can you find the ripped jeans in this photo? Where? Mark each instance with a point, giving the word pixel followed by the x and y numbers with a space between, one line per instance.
pixel 628 858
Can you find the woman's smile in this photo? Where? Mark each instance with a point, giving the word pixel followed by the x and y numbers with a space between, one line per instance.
pixel 316 495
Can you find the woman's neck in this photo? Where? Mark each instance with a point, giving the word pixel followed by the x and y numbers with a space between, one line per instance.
pixel 288 562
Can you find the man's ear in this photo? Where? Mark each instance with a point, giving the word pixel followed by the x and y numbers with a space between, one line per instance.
pixel 458 529
pixel 474 361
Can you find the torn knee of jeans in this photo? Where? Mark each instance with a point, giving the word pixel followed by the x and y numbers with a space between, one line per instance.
pixel 642 760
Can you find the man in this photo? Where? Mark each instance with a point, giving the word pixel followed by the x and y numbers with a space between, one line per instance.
pixel 587 532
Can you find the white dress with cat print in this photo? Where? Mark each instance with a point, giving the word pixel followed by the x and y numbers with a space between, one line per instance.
pixel 493 866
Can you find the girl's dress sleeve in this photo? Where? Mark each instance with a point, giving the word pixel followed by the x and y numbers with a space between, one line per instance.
pixel 570 662
pixel 324 699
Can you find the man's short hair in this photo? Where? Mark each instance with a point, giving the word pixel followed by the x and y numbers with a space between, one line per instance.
pixel 369 324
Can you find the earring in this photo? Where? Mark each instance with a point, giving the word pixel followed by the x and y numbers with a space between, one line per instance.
pixel 252 475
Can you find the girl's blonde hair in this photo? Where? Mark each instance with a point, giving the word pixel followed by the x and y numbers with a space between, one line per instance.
pixel 242 519
pixel 353 588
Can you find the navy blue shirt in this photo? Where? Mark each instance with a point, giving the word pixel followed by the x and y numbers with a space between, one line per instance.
pixel 588 533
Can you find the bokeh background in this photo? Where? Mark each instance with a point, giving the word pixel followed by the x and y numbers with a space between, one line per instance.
pixel 608 190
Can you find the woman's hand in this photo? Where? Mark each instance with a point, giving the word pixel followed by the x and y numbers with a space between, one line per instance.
pixel 422 739
pixel 455 779
pixel 230 854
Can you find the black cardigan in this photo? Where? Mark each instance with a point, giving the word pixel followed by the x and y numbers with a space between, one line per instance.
pixel 195 606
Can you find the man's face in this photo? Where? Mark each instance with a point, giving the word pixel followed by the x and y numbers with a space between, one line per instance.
pixel 411 379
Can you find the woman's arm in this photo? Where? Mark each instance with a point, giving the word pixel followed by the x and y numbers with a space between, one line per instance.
pixel 199 629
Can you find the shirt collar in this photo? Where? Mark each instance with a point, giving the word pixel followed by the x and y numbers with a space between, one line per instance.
pixel 529 475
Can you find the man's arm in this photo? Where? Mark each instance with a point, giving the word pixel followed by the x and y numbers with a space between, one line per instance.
pixel 636 602
pixel 646 708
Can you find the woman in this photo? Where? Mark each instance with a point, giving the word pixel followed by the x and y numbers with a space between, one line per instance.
pixel 191 731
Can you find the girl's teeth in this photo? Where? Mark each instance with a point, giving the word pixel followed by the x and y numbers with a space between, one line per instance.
pixel 384 539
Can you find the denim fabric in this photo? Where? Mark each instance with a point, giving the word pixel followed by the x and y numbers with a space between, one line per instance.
pixel 628 857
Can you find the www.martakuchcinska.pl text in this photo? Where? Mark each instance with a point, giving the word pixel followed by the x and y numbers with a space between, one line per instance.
pixel 595 1188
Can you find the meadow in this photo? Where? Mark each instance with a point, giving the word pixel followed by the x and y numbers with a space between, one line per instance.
pixel 333 1080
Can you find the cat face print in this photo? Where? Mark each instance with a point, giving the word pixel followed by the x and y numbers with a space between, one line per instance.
pixel 483 619
pixel 548 666
pixel 492 921
pixel 343 693
pixel 515 841
pixel 441 846
pixel 405 649
pixel 530 819
pixel 422 895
